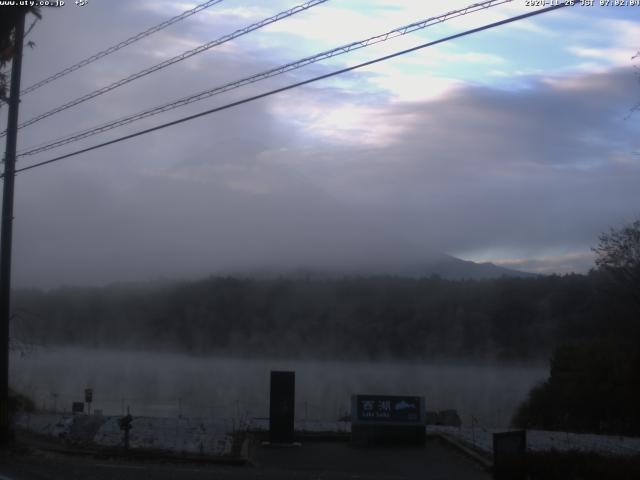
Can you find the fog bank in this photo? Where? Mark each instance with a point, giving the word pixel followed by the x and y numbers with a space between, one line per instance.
pixel 170 384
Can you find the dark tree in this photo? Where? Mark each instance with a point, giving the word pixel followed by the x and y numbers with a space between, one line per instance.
pixel 618 259
pixel 594 381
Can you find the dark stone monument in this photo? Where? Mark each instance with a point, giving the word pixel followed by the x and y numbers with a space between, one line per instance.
pixel 509 453
pixel 390 420
pixel 282 407
pixel 77 407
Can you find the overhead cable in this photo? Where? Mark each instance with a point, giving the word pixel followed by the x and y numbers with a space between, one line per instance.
pixel 298 84
pixel 118 46
pixel 171 61
pixel 412 27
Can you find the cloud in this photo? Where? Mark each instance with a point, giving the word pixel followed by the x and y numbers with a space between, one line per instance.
pixel 350 122
pixel 580 262
pixel 483 168
pixel 390 163
pixel 612 43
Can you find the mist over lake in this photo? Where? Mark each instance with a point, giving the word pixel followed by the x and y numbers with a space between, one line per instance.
pixel 163 384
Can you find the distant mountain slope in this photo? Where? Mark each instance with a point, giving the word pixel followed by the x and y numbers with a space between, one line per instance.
pixel 445 266
pixel 453 268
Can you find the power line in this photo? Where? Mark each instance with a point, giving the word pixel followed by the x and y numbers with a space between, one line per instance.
pixel 171 61
pixel 298 84
pixel 118 46
pixel 412 27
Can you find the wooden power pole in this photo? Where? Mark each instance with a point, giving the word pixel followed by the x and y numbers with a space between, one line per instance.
pixel 6 235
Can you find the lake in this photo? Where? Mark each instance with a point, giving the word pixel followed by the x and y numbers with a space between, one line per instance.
pixel 164 384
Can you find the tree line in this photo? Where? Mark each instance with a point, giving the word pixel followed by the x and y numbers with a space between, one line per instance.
pixel 356 317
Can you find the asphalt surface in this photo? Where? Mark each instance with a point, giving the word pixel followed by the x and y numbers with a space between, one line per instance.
pixel 311 460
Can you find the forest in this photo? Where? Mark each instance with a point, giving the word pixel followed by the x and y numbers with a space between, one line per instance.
pixel 510 319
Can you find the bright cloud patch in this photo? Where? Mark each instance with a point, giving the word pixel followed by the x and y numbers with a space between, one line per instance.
pixel 580 262
pixel 346 123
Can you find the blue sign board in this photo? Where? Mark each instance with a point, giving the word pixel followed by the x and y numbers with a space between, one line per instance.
pixel 387 409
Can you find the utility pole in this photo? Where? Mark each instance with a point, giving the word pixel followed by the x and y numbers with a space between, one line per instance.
pixel 7 230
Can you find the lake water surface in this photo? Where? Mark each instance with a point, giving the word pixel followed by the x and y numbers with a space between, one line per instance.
pixel 163 384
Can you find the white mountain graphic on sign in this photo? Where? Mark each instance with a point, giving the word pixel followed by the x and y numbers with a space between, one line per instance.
pixel 402 405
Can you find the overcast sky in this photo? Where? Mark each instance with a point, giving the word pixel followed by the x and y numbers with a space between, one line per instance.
pixel 515 145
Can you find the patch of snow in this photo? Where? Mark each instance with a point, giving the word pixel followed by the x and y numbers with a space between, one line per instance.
pixel 215 436
pixel 181 435
pixel 45 424
pixel 541 441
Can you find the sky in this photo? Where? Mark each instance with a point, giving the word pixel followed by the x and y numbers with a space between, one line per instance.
pixel 517 145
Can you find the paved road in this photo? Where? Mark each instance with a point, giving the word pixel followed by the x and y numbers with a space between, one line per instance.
pixel 326 461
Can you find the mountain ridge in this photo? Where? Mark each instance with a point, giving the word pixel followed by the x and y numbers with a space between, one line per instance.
pixel 445 266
